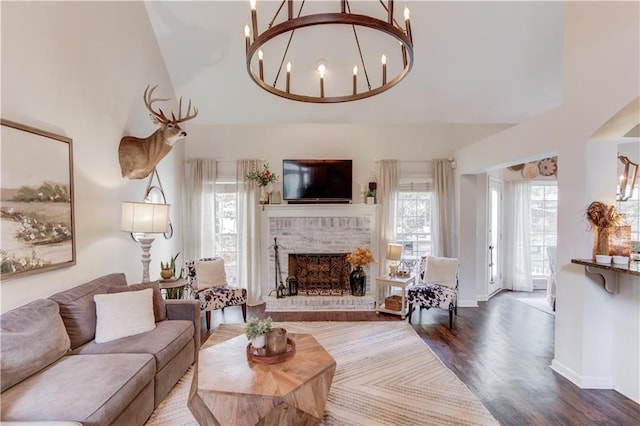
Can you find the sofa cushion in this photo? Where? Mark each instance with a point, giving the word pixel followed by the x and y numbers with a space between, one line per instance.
pixel 31 337
pixel 92 389
pixel 123 314
pixel 78 309
pixel 164 342
pixel 159 307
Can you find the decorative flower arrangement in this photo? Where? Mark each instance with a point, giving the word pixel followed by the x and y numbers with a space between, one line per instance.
pixel 603 217
pixel 263 177
pixel 360 257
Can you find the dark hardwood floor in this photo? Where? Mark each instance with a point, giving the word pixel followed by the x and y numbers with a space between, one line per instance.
pixel 502 351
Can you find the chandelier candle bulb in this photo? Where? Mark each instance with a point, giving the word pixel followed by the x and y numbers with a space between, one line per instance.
pixel 384 69
pixel 254 19
pixel 355 79
pixel 407 22
pixel 247 36
pixel 321 70
pixel 288 76
pixel 261 65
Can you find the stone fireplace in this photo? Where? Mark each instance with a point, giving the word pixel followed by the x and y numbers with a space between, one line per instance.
pixel 320 235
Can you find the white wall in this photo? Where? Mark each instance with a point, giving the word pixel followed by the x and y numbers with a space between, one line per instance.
pixel 364 144
pixel 79 69
pixel 601 76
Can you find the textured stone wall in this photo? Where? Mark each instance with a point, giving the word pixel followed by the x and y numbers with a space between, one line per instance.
pixel 317 235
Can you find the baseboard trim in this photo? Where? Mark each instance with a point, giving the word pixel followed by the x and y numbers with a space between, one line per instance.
pixel 583 382
pixel 467 304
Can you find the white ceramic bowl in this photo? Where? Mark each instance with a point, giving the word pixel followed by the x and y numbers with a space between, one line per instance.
pixel 603 258
pixel 620 260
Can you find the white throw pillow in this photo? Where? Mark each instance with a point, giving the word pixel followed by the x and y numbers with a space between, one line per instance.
pixel 123 314
pixel 210 273
pixel 442 271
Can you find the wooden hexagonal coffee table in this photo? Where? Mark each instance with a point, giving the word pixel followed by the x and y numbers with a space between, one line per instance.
pixel 228 389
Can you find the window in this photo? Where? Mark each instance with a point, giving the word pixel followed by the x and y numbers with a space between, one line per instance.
pixel 631 211
pixel 226 229
pixel 544 212
pixel 413 221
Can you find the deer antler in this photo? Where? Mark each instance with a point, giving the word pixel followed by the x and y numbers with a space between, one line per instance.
pixel 189 116
pixel 148 101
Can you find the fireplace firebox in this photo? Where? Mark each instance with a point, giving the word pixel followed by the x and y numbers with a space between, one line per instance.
pixel 320 274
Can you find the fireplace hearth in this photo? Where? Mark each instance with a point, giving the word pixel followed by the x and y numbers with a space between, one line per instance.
pixel 320 274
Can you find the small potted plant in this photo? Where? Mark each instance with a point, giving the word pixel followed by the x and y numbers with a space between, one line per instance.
pixel 256 331
pixel 371 196
pixel 168 269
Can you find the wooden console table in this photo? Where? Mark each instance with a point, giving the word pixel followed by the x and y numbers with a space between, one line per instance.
pixel 228 389
pixel 609 271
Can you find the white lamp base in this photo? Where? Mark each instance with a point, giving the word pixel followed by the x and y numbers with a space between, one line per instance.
pixel 145 244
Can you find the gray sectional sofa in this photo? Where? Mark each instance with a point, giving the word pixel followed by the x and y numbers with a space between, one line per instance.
pixel 53 370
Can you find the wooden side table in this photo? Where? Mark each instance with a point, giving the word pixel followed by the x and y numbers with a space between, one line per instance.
pixel 172 289
pixel 386 282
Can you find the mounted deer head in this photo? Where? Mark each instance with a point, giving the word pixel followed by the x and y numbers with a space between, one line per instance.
pixel 138 157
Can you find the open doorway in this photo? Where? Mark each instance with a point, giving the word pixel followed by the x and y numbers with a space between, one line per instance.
pixel 530 230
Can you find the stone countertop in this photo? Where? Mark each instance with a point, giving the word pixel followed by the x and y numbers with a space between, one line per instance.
pixel 631 268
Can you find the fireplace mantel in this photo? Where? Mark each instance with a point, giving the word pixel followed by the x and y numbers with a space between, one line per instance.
pixel 321 210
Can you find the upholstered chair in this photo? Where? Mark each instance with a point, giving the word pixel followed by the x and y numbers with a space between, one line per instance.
pixel 207 283
pixel 436 286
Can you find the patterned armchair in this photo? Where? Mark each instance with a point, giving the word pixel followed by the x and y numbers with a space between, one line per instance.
pixel 207 283
pixel 436 286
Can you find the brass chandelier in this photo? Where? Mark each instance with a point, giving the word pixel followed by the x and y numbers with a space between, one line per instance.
pixel 295 20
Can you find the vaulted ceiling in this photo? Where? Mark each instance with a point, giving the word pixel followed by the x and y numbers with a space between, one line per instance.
pixel 475 62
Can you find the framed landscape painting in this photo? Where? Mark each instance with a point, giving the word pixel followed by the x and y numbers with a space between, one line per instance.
pixel 36 201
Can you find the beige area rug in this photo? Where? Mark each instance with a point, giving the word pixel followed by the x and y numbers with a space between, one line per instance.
pixel 385 375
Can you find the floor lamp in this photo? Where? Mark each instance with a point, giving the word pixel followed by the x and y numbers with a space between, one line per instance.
pixel 145 218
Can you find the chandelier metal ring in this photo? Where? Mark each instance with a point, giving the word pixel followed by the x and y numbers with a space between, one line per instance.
pixel 293 24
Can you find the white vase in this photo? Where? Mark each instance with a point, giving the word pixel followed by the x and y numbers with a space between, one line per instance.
pixel 259 342
pixel 371 200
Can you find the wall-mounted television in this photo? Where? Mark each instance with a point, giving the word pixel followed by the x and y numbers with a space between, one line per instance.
pixel 317 181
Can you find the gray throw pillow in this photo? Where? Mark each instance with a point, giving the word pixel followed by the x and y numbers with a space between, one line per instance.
pixel 159 306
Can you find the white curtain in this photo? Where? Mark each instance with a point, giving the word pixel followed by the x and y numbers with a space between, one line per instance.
pixel 387 194
pixel 443 210
pixel 250 245
pixel 199 214
pixel 517 244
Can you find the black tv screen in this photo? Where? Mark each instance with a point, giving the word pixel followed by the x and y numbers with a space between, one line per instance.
pixel 317 180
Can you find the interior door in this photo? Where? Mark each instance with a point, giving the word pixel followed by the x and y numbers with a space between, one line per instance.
pixel 494 237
